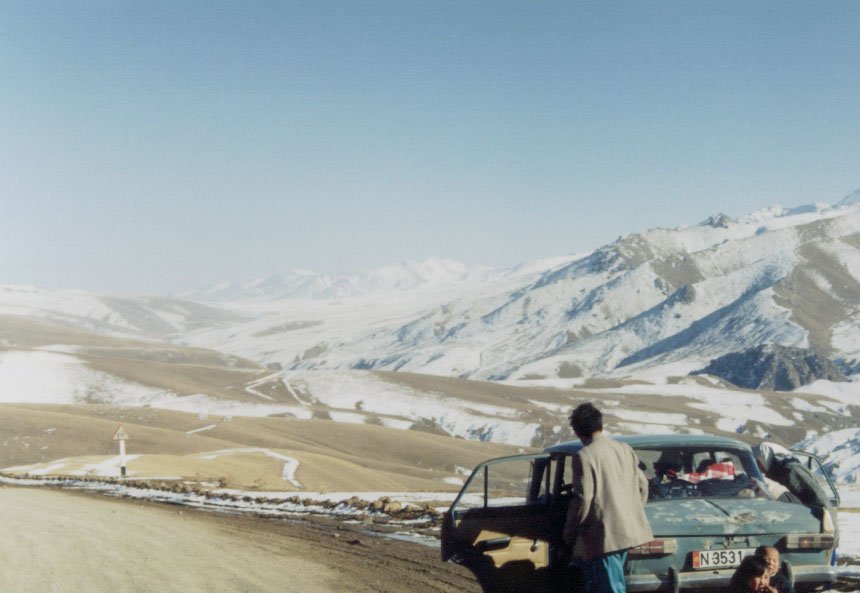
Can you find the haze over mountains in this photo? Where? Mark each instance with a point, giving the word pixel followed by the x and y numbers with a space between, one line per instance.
pixel 485 354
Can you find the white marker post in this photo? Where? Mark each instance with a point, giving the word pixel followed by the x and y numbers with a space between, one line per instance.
pixel 122 436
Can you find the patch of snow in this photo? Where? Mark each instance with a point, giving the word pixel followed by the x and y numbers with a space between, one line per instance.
pixel 845 393
pixel 640 428
pixel 849 539
pixel 554 408
pixel 652 417
pixel 839 452
pixel 291 465
pixel 849 495
pixel 108 467
pixel 805 405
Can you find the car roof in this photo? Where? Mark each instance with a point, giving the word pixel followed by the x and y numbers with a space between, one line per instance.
pixel 639 441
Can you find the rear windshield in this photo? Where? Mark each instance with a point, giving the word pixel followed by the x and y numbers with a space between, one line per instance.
pixel 681 472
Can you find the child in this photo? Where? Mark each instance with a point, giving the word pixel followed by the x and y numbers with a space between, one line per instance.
pixel 752 576
pixel 771 555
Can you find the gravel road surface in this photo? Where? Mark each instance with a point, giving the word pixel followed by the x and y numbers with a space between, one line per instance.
pixel 70 542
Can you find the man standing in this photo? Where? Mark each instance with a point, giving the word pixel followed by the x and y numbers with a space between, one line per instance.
pixel 606 516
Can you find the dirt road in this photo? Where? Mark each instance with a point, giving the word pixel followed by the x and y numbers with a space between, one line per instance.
pixel 67 542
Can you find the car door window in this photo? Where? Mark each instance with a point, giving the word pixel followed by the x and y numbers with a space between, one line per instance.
pixel 813 464
pixel 507 482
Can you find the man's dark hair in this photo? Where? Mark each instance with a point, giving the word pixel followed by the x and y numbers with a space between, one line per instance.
pixel 585 420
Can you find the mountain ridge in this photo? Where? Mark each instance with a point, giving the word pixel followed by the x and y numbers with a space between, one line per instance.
pixel 663 298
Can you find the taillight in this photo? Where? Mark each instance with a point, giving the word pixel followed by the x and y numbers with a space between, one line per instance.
pixel 809 541
pixel 827 523
pixel 655 548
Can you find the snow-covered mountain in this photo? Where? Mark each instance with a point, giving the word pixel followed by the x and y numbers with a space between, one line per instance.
pixel 671 299
pixel 664 301
pixel 302 284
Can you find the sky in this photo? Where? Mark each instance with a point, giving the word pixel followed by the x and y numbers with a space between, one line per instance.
pixel 158 147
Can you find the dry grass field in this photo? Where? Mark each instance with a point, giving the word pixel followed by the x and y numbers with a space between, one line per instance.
pixel 235 452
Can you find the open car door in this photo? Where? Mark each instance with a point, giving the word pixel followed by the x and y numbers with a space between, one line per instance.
pixel 502 524
pixel 813 464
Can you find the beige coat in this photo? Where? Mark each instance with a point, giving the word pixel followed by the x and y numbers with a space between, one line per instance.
pixel 609 514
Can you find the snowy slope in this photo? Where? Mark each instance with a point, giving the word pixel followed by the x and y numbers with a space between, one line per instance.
pixel 115 315
pixel 663 298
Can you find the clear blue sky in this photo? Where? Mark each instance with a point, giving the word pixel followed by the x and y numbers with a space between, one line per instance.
pixel 153 147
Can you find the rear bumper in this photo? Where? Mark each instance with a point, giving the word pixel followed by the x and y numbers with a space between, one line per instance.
pixel 717 579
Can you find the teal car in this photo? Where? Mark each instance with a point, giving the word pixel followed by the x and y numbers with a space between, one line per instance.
pixel 708 507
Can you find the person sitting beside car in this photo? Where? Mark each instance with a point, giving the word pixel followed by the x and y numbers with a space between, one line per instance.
pixel 777 580
pixel 778 464
pixel 752 576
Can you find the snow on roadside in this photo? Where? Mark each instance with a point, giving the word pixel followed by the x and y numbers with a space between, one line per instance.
pixel 849 495
pixel 101 467
pixel 107 467
pixel 849 535
pixel 366 510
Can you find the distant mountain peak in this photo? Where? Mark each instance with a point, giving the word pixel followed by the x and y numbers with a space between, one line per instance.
pixel 434 272
pixel 721 221
pixel 850 199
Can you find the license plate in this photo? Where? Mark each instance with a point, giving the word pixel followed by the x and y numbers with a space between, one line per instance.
pixel 720 558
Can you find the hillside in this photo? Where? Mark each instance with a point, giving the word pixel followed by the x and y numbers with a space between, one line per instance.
pixel 275 453
pixel 439 349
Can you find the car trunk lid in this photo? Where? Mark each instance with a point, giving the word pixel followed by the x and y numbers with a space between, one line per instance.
pixel 728 516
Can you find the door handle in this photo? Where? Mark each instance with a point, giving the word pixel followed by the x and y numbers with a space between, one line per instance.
pixel 497 543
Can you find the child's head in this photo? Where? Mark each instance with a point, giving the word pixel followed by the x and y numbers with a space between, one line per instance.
pixel 770 555
pixel 752 575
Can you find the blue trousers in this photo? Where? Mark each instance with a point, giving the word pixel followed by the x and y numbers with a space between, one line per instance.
pixel 605 574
